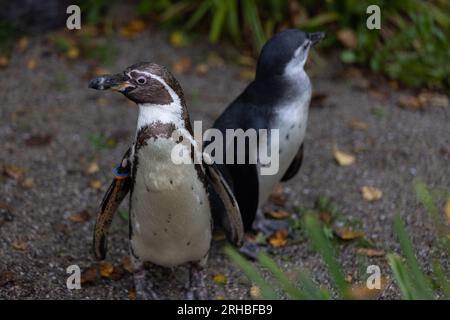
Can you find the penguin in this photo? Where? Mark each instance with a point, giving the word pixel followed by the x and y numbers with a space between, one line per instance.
pixel 277 98
pixel 170 200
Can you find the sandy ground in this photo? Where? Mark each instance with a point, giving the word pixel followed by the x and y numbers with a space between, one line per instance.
pixel 53 99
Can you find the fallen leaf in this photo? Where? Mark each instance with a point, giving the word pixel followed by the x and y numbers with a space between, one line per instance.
pixel 218 235
pixel 279 238
pixel 80 217
pixel 278 197
pixel 4 61
pixel 357 124
pixel 410 103
pixel 178 39
pixel 132 28
pixel 201 68
pixel 371 193
pixel 106 269
pixel 348 38
pixel 255 292
pixel 6 277
pixel 38 140
pixel 73 53
pixel 433 99
pixel 447 210
pixel 344 159
pixel 362 292
pixel 220 279
pixel 448 237
pixel 132 294
pixel 214 59
pixel 100 71
pixel 182 65
pixel 92 168
pixel 27 183
pixel 127 265
pixel 246 60
pixel 247 74
pixel 13 171
pixel 89 275
pixel 278 214
pixel 348 234
pixel 370 252
pixel 22 44
pixel 20 246
pixel 95 184
pixel 31 64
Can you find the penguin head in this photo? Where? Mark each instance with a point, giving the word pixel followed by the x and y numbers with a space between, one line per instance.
pixel 285 54
pixel 143 83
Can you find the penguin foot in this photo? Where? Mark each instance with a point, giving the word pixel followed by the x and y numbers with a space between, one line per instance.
pixel 250 250
pixel 144 289
pixel 196 289
pixel 269 226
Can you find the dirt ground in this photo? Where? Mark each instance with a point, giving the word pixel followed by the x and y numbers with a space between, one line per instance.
pixel 38 240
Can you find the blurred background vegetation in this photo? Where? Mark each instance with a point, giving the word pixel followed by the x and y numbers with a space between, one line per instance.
pixel 412 47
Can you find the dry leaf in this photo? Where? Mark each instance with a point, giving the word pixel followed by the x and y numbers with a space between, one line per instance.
pixel 178 39
pixel 433 99
pixel 214 59
pixel 325 217
pixel 371 193
pixel 218 235
pixel 358 124
pixel 182 65
pixel 6 277
pixel 127 265
pixel 278 197
pixel 132 29
pixel 13 171
pixel 348 234
pixel 410 103
pixel 80 217
pixel 132 294
pixel 95 184
pixel 100 71
pixel 20 246
pixel 31 64
pixel 38 140
pixel 279 238
pixel 90 275
pixel 73 53
pixel 278 214
pixel 255 292
pixel 106 269
pixel 348 38
pixel 344 159
pixel 447 210
pixel 370 252
pixel 22 44
pixel 201 68
pixel 27 183
pixel 362 292
pixel 220 279
pixel 4 61
pixel 92 168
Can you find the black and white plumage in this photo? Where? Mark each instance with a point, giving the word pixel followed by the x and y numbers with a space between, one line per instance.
pixel 170 205
pixel 278 98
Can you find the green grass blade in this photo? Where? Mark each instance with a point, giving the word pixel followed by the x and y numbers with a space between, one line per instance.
pixel 442 280
pixel 233 20
pixel 282 279
pixel 252 18
pixel 199 13
pixel 325 249
pixel 401 276
pixel 310 289
pixel 251 272
pixel 422 285
pixel 218 20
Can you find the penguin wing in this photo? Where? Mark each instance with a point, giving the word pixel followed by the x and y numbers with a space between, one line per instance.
pixel 116 193
pixel 233 226
pixel 295 165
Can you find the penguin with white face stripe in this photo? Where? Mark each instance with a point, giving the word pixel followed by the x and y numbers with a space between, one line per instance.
pixel 170 204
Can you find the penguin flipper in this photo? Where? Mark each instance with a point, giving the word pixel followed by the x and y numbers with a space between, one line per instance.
pixel 117 191
pixel 235 227
pixel 295 165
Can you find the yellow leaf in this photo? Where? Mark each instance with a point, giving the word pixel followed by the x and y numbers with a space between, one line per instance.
pixel 132 294
pixel 80 217
pixel 13 171
pixel 279 238
pixel 362 292
pixel 370 252
pixel 4 61
pixel 201 68
pixel 20 246
pixel 22 44
pixel 371 193
pixel 92 168
pixel 106 269
pixel 126 264
pixel 182 65
pixel 255 292
pixel 178 39
pixel 89 275
pixel 344 159
pixel 27 183
pixel 95 184
pixel 278 214
pixel 73 53
pixel 447 210
pixel 278 197
pixel 31 64
pixel 220 279
pixel 348 234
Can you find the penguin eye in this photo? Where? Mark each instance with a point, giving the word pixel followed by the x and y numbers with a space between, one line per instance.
pixel 141 80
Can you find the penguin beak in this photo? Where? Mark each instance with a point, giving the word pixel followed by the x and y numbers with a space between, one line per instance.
pixel 116 82
pixel 316 37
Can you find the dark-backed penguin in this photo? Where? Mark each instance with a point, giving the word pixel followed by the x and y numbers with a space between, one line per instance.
pixel 170 206
pixel 278 98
